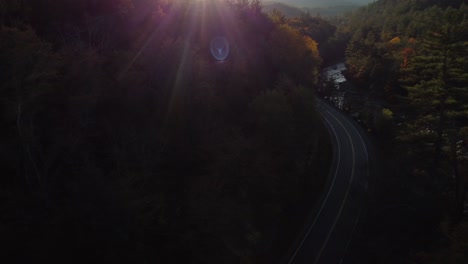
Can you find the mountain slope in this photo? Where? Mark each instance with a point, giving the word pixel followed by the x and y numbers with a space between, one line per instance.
pixel 323 3
pixel 287 10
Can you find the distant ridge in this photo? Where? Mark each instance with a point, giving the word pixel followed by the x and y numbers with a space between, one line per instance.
pixel 320 3
pixel 293 11
pixel 287 10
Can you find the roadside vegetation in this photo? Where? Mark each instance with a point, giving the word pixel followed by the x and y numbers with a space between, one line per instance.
pixel 409 60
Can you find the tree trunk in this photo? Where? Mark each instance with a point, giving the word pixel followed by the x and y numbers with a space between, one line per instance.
pixel 459 182
pixel 461 194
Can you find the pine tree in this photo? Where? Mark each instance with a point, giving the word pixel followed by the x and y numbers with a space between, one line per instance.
pixel 437 85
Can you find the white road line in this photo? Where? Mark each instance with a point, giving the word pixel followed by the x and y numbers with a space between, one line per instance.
pixel 328 194
pixel 359 134
pixel 317 258
pixel 368 173
pixel 362 140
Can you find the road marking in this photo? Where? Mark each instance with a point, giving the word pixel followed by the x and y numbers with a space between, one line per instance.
pixel 368 173
pixel 328 194
pixel 317 258
pixel 359 134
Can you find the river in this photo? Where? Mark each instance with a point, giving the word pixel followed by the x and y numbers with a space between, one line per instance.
pixel 334 73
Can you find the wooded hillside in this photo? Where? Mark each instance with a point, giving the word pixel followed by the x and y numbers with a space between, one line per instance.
pixel 124 140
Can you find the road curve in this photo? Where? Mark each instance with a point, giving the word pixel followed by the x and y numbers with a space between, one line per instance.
pixel 330 230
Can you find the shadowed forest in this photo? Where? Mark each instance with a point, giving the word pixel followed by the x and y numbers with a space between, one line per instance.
pixel 124 139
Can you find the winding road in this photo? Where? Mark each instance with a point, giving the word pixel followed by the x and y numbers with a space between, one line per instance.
pixel 330 230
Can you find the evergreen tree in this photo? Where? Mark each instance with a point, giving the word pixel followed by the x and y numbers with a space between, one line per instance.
pixel 437 84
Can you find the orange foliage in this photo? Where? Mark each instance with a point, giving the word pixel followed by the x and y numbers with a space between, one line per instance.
pixel 406 53
pixel 395 41
pixel 412 41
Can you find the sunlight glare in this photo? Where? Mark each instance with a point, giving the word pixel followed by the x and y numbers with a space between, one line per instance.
pixel 219 48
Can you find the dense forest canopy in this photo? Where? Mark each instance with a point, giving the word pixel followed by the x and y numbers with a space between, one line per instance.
pixel 409 59
pixel 398 56
pixel 125 140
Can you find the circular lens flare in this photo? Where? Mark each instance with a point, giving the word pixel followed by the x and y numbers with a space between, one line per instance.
pixel 219 47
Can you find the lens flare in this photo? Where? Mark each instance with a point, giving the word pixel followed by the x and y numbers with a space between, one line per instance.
pixel 219 47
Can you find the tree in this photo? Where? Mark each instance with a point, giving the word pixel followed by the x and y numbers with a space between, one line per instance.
pixel 295 55
pixel 437 85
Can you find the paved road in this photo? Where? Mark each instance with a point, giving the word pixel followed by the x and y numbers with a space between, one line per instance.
pixel 331 228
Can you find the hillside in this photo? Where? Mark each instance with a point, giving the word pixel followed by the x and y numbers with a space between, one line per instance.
pixel 322 3
pixel 146 131
pixel 287 10
pixel 293 11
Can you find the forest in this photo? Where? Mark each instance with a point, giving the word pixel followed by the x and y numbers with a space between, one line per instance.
pixel 409 60
pixel 126 139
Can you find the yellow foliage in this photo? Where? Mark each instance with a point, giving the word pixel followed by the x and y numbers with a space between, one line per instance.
pixel 311 45
pixel 395 41
pixel 387 114
pixel 290 44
